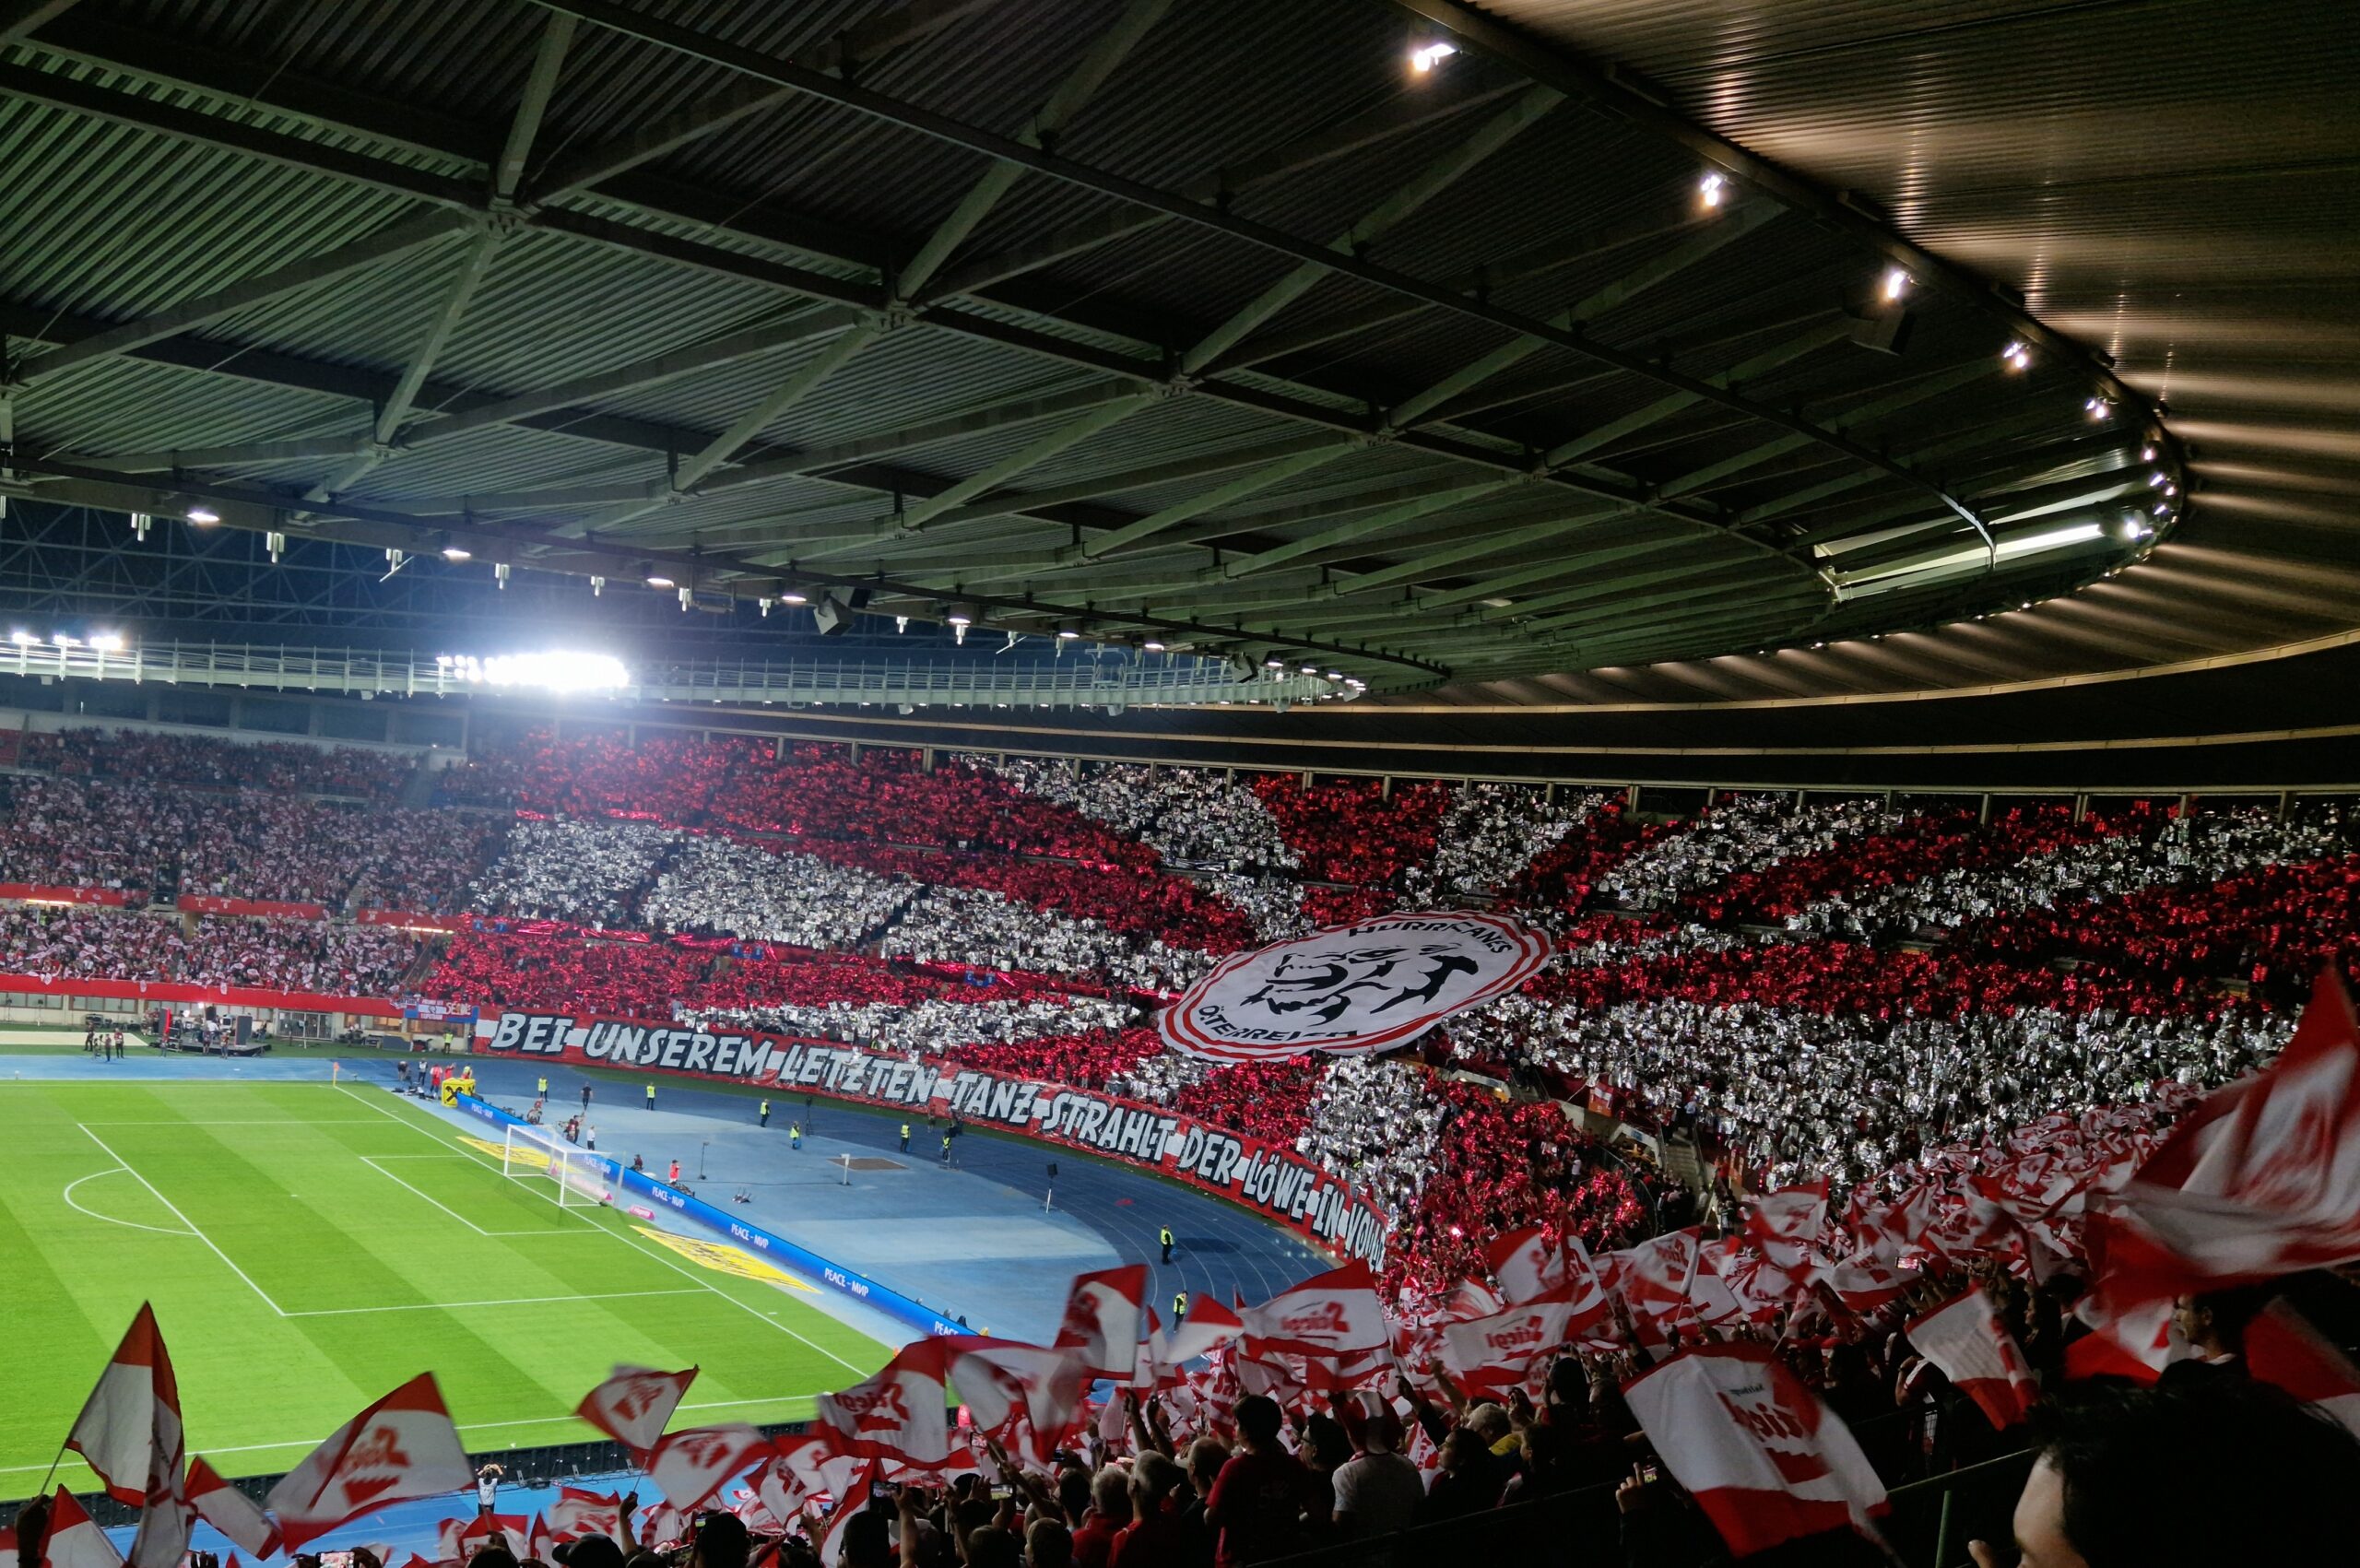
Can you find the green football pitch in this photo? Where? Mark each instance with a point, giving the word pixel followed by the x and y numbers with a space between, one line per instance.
pixel 309 1247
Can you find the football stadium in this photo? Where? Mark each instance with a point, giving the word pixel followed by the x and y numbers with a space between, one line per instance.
pixel 1179 783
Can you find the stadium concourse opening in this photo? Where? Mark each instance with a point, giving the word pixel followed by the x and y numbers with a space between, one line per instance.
pixel 1108 783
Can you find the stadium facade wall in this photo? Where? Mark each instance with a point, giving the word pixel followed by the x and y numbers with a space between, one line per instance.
pixel 1270 1183
pixel 178 991
pixel 809 1264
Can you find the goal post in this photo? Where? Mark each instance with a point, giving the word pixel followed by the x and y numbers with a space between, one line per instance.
pixel 529 1155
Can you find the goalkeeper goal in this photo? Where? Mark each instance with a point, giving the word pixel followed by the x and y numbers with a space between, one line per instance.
pixel 529 1154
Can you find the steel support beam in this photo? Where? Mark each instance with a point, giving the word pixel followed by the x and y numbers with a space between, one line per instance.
pixel 1429 183
pixel 591 165
pixel 1381 123
pixel 386 243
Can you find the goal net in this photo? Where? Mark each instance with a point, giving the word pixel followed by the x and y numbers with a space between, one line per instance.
pixel 579 1176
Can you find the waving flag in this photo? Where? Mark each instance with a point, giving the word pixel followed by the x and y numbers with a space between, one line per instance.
pixel 634 1404
pixel 1328 1315
pixel 1965 1339
pixel 1764 1459
pixel 1783 1225
pixel 1509 1349
pixel 2262 1179
pixel 2283 1349
pixel 851 1503
pixel 1004 1383
pixel 400 1447
pixel 1102 1315
pixel 129 1434
pixel 1208 1327
pixel 689 1467
pixel 456 1540
pixel 73 1540
pixel 578 1513
pixel 899 1413
pixel 1530 1264
pixel 229 1511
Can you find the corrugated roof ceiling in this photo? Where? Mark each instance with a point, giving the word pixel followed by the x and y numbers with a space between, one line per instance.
pixel 1547 423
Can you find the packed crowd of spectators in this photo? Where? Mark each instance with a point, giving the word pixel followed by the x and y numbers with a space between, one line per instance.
pixel 1489 833
pixel 156 756
pixel 316 956
pixel 590 873
pixel 1736 836
pixel 250 845
pixel 719 887
pixel 1845 1092
pixel 958 925
pixel 1352 831
pixel 1008 910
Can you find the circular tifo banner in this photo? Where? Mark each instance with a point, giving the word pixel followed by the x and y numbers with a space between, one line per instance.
pixel 1353 989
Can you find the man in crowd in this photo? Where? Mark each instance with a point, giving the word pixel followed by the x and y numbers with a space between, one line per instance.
pixel 2218 1471
pixel 1256 1504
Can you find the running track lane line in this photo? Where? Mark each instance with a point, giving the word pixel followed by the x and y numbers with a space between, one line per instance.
pixel 743 1306
pixel 184 1219
pixel 112 1170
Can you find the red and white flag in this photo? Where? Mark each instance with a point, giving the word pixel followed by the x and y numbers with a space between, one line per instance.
pixel 1208 1327
pixel 851 1503
pixel 7 1547
pixel 578 1513
pixel 1529 1264
pixel 400 1447
pixel 1509 1349
pixel 539 1545
pixel 660 1524
pixel 1328 1315
pixel 2262 1179
pixel 2136 1342
pixel 1104 1312
pixel 634 1404
pixel 1965 1339
pixel 73 1540
pixel 459 1540
pixel 1004 1383
pixel 1656 1280
pixel 232 1511
pixel 129 1434
pixel 2284 1349
pixel 899 1413
pixel 808 1464
pixel 690 1466
pixel 1766 1460
pixel 1783 1225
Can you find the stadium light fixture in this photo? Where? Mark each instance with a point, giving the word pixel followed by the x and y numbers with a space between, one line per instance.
pixel 1896 284
pixel 548 672
pixel 960 615
pixel 22 638
pixel 2016 355
pixel 657 580
pixel 107 641
pixel 794 596
pixel 203 515
pixel 1068 631
pixel 1426 56
pixel 453 552
pixel 1713 190
pixel 1152 645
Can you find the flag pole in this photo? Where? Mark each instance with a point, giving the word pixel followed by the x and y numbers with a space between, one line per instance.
pixel 53 1469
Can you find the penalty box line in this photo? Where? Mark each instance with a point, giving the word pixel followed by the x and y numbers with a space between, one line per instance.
pixel 434 1133
pixel 371 1161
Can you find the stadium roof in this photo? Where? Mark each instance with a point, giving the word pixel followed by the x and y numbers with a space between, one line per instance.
pixel 1509 351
